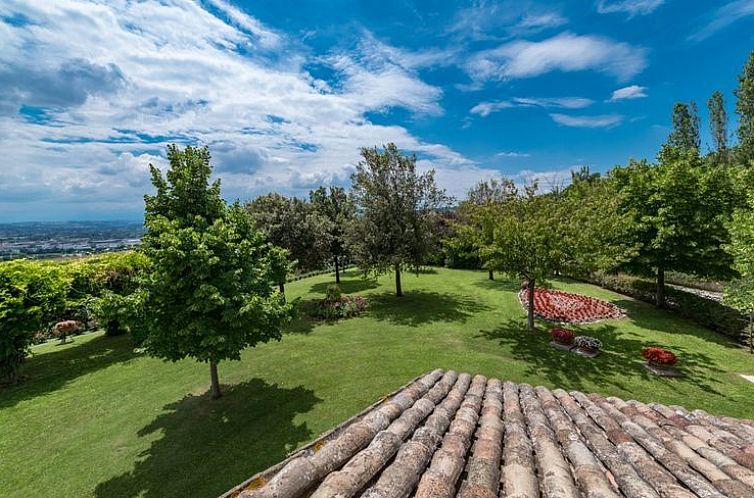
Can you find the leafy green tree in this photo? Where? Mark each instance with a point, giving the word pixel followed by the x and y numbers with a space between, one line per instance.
pixel 337 208
pixel 685 134
pixel 395 203
pixel 524 241
pixel 718 124
pixel 745 110
pixel 209 293
pixel 475 211
pixel 294 225
pixel 740 291
pixel 32 297
pixel 679 209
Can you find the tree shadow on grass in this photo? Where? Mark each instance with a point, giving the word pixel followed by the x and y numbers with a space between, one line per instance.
pixel 620 360
pixel 500 283
pixel 418 307
pixel 206 447
pixel 47 372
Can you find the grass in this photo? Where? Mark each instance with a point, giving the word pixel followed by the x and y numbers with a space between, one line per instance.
pixel 96 419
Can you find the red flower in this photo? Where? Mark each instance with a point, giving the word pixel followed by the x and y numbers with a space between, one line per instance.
pixel 563 336
pixel 659 356
pixel 559 306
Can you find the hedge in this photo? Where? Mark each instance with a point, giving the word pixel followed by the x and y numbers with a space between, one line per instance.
pixel 706 312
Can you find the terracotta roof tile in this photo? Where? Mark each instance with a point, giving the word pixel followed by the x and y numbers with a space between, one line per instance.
pixel 450 435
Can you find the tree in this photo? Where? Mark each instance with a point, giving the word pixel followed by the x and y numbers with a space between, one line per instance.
pixel 337 208
pixel 740 291
pixel 474 210
pixel 395 204
pixel 745 110
pixel 208 295
pixel 685 134
pixel 294 225
pixel 718 124
pixel 524 241
pixel 679 209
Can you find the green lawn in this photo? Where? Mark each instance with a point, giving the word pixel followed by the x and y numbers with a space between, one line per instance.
pixel 96 419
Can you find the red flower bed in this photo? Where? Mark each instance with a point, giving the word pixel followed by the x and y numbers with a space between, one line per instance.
pixel 659 356
pixel 559 306
pixel 563 336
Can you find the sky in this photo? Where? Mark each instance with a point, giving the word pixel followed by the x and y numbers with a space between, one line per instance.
pixel 286 93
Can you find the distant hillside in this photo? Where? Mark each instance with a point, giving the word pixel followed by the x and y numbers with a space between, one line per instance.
pixel 51 239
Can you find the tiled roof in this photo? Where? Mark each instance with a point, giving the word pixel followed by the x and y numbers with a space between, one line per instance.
pixel 453 435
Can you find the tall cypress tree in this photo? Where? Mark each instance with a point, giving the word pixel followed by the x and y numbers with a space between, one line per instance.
pixel 718 122
pixel 685 134
pixel 745 110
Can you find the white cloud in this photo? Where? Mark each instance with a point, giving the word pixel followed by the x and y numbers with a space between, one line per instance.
pixel 630 7
pixel 724 17
pixel 600 121
pixel 565 52
pixel 495 20
pixel 629 92
pixel 122 80
pixel 512 154
pixel 484 109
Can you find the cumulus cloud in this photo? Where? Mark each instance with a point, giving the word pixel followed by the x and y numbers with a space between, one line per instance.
pixel 113 83
pixel 565 52
pixel 723 17
pixel 629 92
pixel 630 7
pixel 484 109
pixel 599 121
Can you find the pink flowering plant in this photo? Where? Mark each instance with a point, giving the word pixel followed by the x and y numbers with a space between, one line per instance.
pixel 562 336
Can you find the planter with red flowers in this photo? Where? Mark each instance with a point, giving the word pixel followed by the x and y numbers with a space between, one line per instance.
pixel 660 361
pixel 562 338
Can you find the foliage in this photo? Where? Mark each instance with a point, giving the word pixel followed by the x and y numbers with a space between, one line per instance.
pixel 562 336
pixel 294 225
pixel 659 356
pixel 745 110
pixel 587 343
pixel 718 124
pixel 333 293
pixel 685 134
pixel 66 328
pixel 395 204
pixel 208 295
pixel 679 209
pixel 32 296
pixel 335 206
pixel 461 250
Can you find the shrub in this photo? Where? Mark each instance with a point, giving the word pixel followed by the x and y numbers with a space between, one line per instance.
pixel 343 307
pixel 706 312
pixel 333 293
pixel 32 296
pixel 66 328
pixel 659 356
pixel 563 336
pixel 588 343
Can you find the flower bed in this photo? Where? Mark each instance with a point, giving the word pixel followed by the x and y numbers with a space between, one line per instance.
pixel 335 305
pixel 559 306
pixel 562 336
pixel 659 357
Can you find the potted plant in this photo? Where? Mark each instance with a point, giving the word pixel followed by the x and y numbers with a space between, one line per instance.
pixel 586 345
pixel 659 358
pixel 562 336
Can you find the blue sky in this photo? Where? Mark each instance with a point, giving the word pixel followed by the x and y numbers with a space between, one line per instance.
pixel 285 93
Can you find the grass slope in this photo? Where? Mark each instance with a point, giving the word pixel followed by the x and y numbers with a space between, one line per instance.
pixel 96 419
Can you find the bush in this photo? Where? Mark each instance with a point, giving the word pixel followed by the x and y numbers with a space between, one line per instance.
pixel 563 336
pixel 706 312
pixel 63 330
pixel 461 253
pixel 659 356
pixel 332 308
pixel 32 296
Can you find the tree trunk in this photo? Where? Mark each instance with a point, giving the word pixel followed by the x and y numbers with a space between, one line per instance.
pixel 281 286
pixel 490 275
pixel 337 270
pixel 530 317
pixel 660 287
pixel 216 393
pixel 398 290
pixel 751 333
